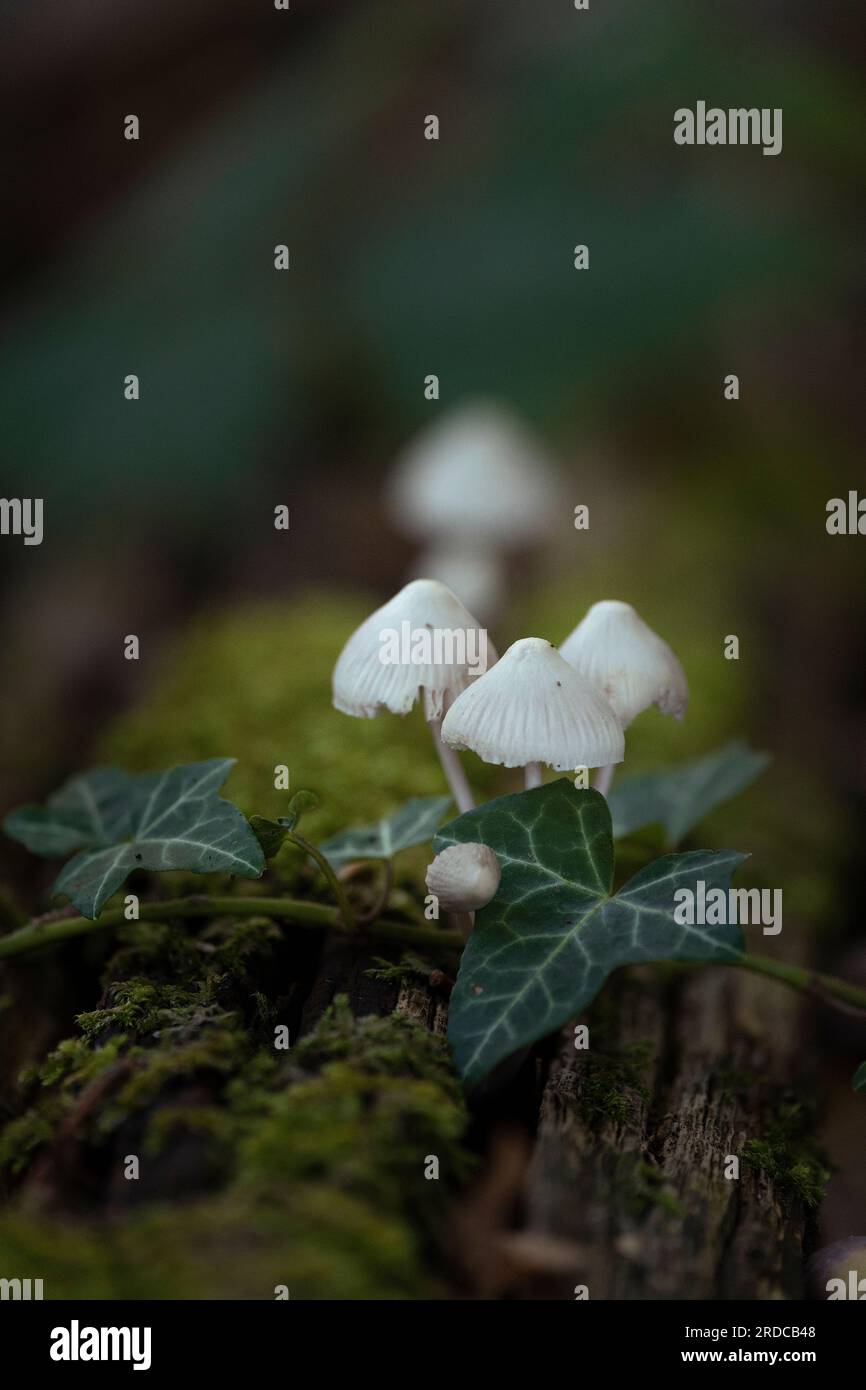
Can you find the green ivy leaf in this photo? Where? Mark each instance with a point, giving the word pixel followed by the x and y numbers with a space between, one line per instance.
pixel 121 822
pixel 300 803
pixel 269 833
pixel 411 824
pixel 543 947
pixel 682 796
pixel 858 1080
pixel 91 809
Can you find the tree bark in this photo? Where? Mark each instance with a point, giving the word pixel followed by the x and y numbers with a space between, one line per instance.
pixel 644 1196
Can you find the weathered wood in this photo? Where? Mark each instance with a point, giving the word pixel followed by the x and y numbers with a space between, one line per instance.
pixel 345 969
pixel 699 1061
pixel 421 1002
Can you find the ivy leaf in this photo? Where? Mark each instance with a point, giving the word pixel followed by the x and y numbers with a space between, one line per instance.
pixel 121 822
pixel 858 1080
pixel 681 797
pixel 546 943
pixel 269 833
pixel 300 803
pixel 92 809
pixel 411 824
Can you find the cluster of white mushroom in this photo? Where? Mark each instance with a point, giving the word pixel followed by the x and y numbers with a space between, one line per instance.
pixel 566 708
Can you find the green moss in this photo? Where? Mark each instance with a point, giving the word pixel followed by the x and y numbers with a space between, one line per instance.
pixel 255 684
pixel 611 1083
pixel 789 1154
pixel 171 1121
pixel 153 949
pixel 647 1188
pixel 55 1083
pixel 367 1122
pixel 326 1192
pixel 239 957
pixel 612 1076
pixel 408 965
pixel 220 1050
pixel 71 1062
pixel 184 1020
pixel 378 1046
pixel 21 1139
pixel 137 1006
pixel 322 1245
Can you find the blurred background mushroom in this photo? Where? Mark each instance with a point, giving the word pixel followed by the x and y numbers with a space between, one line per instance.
pixel 474 486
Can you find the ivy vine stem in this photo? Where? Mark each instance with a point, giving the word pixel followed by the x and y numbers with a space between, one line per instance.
pixel 341 897
pixel 49 930
pixel 829 988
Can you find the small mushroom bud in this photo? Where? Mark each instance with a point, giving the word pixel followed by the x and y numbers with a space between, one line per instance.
pixel 464 877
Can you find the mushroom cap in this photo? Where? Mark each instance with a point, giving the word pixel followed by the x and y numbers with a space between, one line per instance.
pixel 364 682
pixel 532 707
pixel 477 473
pixel 628 662
pixel 464 877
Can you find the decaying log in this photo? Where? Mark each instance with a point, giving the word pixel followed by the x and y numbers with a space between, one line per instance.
pixel 701 1064
pixel 345 968
pixel 625 1189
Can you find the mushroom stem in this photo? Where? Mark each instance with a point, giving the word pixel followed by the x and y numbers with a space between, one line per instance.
pixel 604 777
pixel 532 775
pixel 453 769
pixel 462 922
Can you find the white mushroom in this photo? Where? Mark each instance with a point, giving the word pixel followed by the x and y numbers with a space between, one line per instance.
pixel 532 708
pixel 423 641
pixel 476 478
pixel 464 877
pixel 627 662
